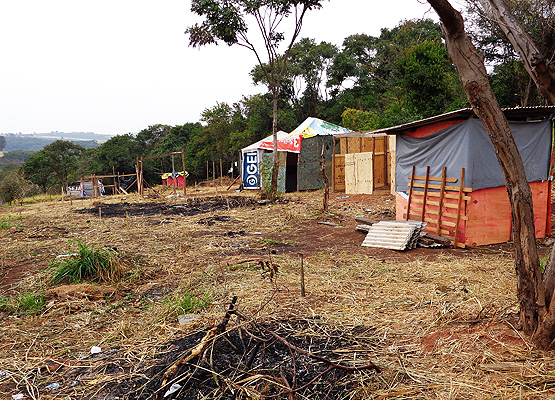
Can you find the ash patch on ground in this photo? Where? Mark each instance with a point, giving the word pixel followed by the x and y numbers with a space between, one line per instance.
pixel 189 207
pixel 248 362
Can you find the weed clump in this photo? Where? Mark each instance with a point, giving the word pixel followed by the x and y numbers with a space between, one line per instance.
pixel 186 302
pixel 88 264
pixel 27 302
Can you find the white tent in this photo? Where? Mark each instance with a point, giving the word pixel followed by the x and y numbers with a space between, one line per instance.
pixel 251 156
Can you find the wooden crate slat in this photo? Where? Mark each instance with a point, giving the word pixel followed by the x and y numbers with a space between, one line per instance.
pixel 435 203
pixel 411 186
pixel 448 195
pixel 458 215
pixel 438 187
pixel 434 178
pixel 435 212
pixel 441 197
pixel 434 221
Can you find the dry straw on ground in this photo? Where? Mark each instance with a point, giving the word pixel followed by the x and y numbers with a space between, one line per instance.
pixel 439 323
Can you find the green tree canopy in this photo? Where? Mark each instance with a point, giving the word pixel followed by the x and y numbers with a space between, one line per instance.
pixel 402 75
pixel 14 187
pixel 119 153
pixel 177 138
pixel 55 164
pixel 37 170
pixel 304 82
pixel 151 136
pixel 428 78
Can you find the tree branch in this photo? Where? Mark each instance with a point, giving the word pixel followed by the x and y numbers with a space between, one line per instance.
pixel 538 67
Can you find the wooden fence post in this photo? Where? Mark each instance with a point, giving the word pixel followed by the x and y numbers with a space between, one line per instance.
pixel 303 294
pixel 184 172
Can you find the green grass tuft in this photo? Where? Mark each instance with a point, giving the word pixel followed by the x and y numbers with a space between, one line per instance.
pixel 185 302
pixel 8 222
pixel 89 264
pixel 27 302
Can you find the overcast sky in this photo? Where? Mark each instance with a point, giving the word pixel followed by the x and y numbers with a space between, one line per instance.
pixel 118 66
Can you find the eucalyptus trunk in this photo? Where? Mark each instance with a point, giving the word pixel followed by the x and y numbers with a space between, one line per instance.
pixel 275 169
pixel 473 75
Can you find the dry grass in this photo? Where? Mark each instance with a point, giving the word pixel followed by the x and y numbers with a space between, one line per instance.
pixel 442 323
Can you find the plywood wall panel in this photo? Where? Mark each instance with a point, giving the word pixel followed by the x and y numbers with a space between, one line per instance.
pixel 339 173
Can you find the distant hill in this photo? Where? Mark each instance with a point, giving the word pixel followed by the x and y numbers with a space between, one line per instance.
pixel 35 142
pixel 17 157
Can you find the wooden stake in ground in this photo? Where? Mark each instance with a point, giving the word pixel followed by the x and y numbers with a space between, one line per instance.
pixel 235 180
pixel 325 177
pixel 174 178
pixel 214 175
pixel 184 172
pixel 303 294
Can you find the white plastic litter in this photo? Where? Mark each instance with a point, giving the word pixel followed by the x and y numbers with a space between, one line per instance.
pixel 95 350
pixel 173 388
pixel 187 318
pixel 53 386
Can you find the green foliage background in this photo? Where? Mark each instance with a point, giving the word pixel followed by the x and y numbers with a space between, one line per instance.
pixel 368 82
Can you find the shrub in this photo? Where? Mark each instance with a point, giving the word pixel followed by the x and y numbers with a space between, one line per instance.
pixel 14 187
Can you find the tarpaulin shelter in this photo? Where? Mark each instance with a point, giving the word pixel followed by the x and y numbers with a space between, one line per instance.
pixel 86 188
pixel 439 156
pixel 300 154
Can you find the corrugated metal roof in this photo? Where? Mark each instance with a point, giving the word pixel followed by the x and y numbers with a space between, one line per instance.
pixel 394 235
pixel 517 113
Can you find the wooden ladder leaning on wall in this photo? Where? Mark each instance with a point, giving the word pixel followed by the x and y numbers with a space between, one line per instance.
pixel 421 208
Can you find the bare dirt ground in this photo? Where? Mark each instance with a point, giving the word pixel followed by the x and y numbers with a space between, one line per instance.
pixel 438 323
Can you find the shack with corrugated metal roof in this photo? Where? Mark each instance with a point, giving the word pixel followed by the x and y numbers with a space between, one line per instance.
pixel 447 174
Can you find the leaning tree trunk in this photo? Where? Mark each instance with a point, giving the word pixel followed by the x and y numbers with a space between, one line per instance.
pixel 473 75
pixel 541 71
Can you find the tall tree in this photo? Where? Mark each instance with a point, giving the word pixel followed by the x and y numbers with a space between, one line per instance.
pixel 537 316
pixel 2 142
pixel 304 81
pixel 58 160
pixel 37 170
pixel 226 21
